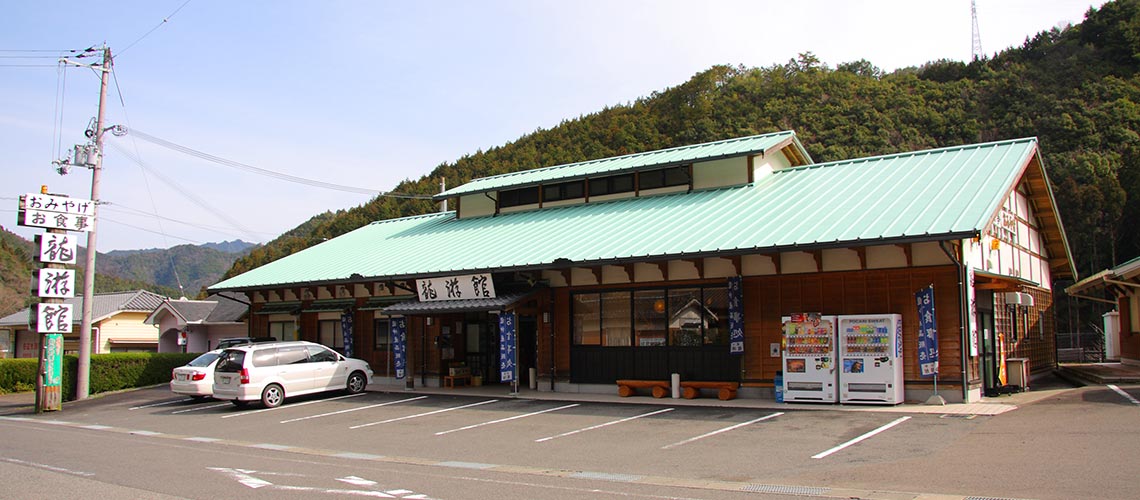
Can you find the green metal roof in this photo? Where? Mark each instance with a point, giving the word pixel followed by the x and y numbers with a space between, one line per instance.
pixel 628 163
pixel 947 193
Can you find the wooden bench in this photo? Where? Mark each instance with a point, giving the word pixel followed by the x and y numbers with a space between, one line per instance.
pixel 449 380
pixel 626 387
pixel 725 390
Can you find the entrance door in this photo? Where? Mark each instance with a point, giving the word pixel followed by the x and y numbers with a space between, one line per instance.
pixel 527 348
pixel 989 365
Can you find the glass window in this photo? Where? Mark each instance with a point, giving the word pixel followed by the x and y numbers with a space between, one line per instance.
pixel 612 184
pixel 329 334
pixel 283 330
pixel 685 317
pixel 230 361
pixel 564 191
pixel 320 354
pixel 382 331
pixel 716 316
pixel 616 322
pixel 292 355
pixel 649 325
pixel 665 177
pixel 587 319
pixel 265 357
pixel 516 197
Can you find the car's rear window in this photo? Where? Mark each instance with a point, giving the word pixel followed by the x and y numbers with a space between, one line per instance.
pixel 203 360
pixel 230 361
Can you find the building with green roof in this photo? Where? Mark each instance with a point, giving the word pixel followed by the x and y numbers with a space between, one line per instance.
pixel 627 268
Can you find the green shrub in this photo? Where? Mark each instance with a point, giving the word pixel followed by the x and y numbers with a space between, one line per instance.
pixel 109 372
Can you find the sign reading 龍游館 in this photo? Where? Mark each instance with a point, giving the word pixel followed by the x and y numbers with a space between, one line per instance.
pixel 471 286
pixel 56 212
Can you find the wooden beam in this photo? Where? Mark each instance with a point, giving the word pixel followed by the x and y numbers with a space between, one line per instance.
pixel 664 267
pixel 862 251
pixel 700 265
pixel 907 251
pixel 775 261
pixel 566 275
pixel 818 256
pixel 597 270
pixel 629 269
pixel 736 265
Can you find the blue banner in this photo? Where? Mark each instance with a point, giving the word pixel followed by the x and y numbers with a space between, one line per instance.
pixel 735 316
pixel 400 346
pixel 346 331
pixel 507 354
pixel 927 333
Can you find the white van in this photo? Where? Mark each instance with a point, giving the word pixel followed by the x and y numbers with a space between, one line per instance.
pixel 272 371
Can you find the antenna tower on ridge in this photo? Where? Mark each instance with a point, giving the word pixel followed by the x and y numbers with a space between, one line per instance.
pixel 976 50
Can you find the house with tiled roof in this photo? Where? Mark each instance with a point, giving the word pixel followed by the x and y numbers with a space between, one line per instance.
pixel 201 323
pixel 117 325
pixel 572 277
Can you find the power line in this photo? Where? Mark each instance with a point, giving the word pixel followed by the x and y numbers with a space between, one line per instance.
pixel 152 30
pixel 266 172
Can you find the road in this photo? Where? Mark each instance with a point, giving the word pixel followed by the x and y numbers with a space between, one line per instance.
pixel 153 444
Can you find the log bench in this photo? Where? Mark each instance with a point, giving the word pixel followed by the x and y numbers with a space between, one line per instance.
pixel 725 390
pixel 626 387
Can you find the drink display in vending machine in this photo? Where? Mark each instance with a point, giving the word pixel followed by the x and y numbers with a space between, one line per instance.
pixel 809 358
pixel 870 358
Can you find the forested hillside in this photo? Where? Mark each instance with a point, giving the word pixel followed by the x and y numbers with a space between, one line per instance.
pixel 1076 88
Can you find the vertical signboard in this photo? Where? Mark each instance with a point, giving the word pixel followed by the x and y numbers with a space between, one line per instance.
pixel 346 331
pixel 56 283
pixel 507 352
pixel 400 346
pixel 927 332
pixel 735 316
pixel 53 318
pixel 53 372
pixel 57 248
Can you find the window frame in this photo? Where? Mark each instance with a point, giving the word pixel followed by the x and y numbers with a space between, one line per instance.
pixel 663 293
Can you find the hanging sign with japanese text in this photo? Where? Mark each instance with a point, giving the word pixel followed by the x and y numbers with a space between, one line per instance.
pixel 927 332
pixel 53 318
pixel 56 283
pixel 346 331
pixel 471 286
pixel 507 353
pixel 57 248
pixel 56 212
pixel 735 316
pixel 400 346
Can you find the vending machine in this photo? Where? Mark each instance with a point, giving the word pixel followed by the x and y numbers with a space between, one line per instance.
pixel 809 358
pixel 870 359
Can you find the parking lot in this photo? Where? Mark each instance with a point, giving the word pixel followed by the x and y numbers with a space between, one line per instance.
pixel 810 449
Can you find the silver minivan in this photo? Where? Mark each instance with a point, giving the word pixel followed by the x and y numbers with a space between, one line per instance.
pixel 272 371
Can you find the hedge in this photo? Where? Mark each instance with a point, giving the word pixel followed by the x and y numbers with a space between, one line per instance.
pixel 109 372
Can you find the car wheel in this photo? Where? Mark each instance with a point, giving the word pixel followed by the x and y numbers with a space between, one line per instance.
pixel 356 383
pixel 272 396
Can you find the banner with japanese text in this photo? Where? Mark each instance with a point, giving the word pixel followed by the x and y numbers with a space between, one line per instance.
pixel 346 330
pixel 400 346
pixel 735 316
pixel 927 332
pixel 507 352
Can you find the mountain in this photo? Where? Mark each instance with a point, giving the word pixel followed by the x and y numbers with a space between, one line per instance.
pixel 193 266
pixel 1077 88
pixel 121 270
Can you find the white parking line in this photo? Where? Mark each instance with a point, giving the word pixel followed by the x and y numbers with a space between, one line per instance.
pixel 424 414
pixel 352 409
pixel 860 438
pixel 548 410
pixel 1125 394
pixel 164 403
pixel 199 408
pixel 293 405
pixel 726 429
pixel 599 426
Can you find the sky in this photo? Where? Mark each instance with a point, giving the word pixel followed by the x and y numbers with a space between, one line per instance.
pixel 367 93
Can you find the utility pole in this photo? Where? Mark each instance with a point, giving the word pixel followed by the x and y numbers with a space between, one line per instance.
pixel 82 378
